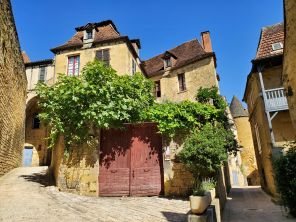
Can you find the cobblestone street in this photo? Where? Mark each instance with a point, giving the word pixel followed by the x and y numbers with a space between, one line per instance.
pixel 26 196
pixel 251 204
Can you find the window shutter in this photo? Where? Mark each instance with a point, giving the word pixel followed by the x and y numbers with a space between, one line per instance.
pixel 106 56
pixel 99 55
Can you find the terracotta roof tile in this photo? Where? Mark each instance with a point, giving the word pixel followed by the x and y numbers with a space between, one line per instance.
pixel 184 53
pixel 25 57
pixel 106 30
pixel 270 35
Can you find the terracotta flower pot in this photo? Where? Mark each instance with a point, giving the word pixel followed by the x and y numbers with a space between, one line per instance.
pixel 199 204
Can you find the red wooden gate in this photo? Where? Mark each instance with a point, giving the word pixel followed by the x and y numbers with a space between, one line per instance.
pixel 131 161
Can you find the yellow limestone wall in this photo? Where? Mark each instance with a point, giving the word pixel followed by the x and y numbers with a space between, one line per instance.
pixel 289 57
pixel 120 58
pixel 199 74
pixel 12 92
pixel 282 125
pixel 247 153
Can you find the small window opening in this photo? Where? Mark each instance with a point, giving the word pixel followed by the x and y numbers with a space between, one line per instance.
pixel 277 46
pixel 36 121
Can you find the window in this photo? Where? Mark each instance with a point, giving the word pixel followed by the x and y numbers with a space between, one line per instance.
pixel 103 55
pixel 134 67
pixel 277 46
pixel 42 72
pixel 73 65
pixel 36 121
pixel 167 62
pixel 157 89
pixel 181 80
pixel 89 34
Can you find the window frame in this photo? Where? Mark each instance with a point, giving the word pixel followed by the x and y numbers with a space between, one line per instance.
pixel 107 63
pixel 181 82
pixel 45 72
pixel 275 44
pixel 36 123
pixel 167 62
pixel 73 68
pixel 87 32
pixel 157 93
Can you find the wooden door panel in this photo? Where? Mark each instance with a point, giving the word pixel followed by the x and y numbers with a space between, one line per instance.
pixel 114 173
pixel 146 161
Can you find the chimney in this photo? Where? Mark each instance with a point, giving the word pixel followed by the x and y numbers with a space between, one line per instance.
pixel 206 41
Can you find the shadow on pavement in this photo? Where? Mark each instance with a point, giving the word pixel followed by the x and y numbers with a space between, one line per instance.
pixel 43 178
pixel 175 217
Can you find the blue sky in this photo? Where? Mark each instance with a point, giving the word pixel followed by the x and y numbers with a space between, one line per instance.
pixel 234 25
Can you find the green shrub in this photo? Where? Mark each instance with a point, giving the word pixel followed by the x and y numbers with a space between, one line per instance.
pixel 205 150
pixel 285 176
pixel 205 185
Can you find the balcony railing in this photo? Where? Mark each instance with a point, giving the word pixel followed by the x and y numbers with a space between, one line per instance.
pixel 276 100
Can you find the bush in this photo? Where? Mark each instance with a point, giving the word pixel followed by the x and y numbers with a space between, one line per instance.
pixel 205 185
pixel 285 176
pixel 205 150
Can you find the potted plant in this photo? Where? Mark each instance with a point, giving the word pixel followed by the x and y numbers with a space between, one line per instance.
pixel 199 200
pixel 210 187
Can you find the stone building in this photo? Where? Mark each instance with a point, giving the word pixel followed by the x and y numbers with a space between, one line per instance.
pixel 248 165
pixel 289 57
pixel 36 146
pixel 179 72
pixel 269 114
pixel 12 92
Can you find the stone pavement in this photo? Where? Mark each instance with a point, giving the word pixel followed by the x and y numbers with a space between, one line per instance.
pixel 251 204
pixel 26 195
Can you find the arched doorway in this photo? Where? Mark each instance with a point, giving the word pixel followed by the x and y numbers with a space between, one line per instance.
pixel 35 135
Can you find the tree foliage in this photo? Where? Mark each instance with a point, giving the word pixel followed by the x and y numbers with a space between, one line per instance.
pixel 185 115
pixel 285 168
pixel 98 98
pixel 205 150
pixel 208 95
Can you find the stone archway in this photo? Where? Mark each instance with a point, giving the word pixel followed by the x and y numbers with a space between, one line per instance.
pixel 36 133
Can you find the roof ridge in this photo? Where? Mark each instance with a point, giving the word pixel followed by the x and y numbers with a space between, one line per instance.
pixel 272 26
pixel 169 50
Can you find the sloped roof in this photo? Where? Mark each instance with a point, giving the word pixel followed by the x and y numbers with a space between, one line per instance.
pixel 105 30
pixel 270 35
pixel 237 109
pixel 25 57
pixel 184 53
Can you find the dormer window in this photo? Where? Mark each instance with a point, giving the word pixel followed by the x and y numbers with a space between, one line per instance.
pixel 277 46
pixel 89 34
pixel 167 63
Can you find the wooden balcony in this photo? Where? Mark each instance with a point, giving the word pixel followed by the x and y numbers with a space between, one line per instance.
pixel 276 100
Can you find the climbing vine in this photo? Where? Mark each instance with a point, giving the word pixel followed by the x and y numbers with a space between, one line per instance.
pixel 98 98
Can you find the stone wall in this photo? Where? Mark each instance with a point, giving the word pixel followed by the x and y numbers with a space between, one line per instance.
pixel 78 170
pixel 12 92
pixel 248 157
pixel 289 57
pixel 120 58
pixel 199 74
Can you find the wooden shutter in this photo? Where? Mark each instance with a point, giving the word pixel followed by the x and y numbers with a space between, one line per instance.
pixel 106 56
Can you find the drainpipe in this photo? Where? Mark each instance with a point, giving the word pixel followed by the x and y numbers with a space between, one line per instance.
pixel 260 70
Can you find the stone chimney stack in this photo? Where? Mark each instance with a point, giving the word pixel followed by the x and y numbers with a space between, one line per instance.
pixel 206 41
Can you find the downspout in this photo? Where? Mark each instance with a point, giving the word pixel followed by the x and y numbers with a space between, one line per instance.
pixel 260 70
